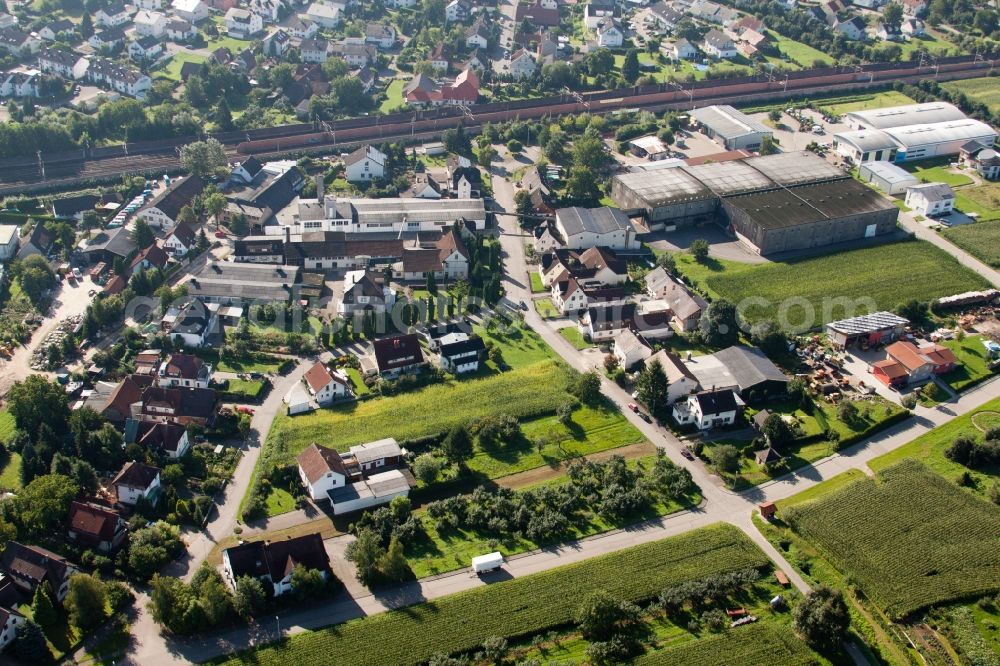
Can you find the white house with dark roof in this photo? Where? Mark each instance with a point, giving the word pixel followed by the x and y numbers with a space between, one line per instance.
pixel 708 409
pixel 301 27
pixel 382 35
pixel 630 349
pixel 113 15
pixel 243 24
pixel 718 45
pixel 930 199
pixel 609 36
pixel 162 210
pixel 681 382
pixel 326 16
pixel 582 228
pixel 136 481
pixel 365 164
pixel 459 353
pixel 66 64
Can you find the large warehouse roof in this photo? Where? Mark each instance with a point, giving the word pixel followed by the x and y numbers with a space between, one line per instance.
pixel 602 220
pixel 888 172
pixel 727 122
pixel 795 168
pixel 956 130
pixel 374 211
pixel 777 209
pixel 665 186
pixel 729 177
pixel 910 114
pixel 866 140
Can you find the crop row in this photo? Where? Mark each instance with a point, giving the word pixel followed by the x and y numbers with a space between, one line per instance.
pixel 911 539
pixel 516 608
pixel 764 644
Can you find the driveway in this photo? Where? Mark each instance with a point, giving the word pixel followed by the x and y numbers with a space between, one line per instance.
pixel 722 246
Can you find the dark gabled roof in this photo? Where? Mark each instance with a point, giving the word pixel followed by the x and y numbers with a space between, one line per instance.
pixel 159 436
pixel 716 402
pixel 184 366
pixel 116 241
pixel 154 254
pixel 473 344
pixel 178 195
pixel 252 166
pixel 128 392
pixel 766 456
pixel 184 401
pixel 257 247
pixel 189 69
pixel 33 563
pixel 749 366
pixel 278 558
pixel 70 206
pixel 41 238
pixel 397 352
pixel 136 475
pixel 185 234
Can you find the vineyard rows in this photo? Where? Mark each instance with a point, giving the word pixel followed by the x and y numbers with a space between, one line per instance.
pixel 763 644
pixel 911 539
pixel 516 608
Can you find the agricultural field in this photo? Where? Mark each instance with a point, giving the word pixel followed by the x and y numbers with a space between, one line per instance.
pixel 874 278
pixel 929 448
pixel 863 102
pixel 760 644
pixel 981 200
pixel 918 542
pixel 985 90
pixel 981 240
pixel 515 608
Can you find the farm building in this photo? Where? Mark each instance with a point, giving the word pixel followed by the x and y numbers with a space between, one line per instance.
pixel 745 370
pixel 900 116
pixel 906 363
pixel 731 128
pixel 809 216
pixel 887 177
pixel 870 329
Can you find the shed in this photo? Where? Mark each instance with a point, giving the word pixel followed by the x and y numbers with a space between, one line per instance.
pixel 768 510
pixel 887 177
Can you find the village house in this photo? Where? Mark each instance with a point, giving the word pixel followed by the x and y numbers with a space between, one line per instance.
pixel 145 49
pixel 30 566
pixel 273 562
pixel 572 295
pixel 984 159
pixel 18 43
pixel 113 15
pixel 477 36
pixel 66 64
pixel 630 349
pixel 162 210
pixel 170 439
pixel 447 259
pixel 600 322
pixel 180 241
pixel 609 36
pixel 363 293
pixel 457 10
pixel 276 44
pixel 191 11
pixel 365 164
pixel 10 619
pixel 593 264
pixel 708 409
pixel 184 370
pixel 355 53
pixel 687 307
pixel 681 382
pixel 382 35
pixel 136 482
pixel 394 356
pixel 51 31
pixel 182 405
pixel 96 526
pixel 302 28
pixel 459 353
pixel 906 363
pixel 149 23
pixel 321 470
pixel 320 387
pixel 19 84
pixel 192 324
pixel 717 45
pixel 582 228
pixel 324 15
pixel 464 180
pixel 930 199
pixel 522 64
pixel 314 50
pixel 242 24
pixel 422 90
pixel 180 31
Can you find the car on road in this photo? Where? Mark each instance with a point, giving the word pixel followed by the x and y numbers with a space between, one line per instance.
pixel 686 452
pixel 634 407
pixel 818 129
pixel 76 273
pixel 524 306
pixel 645 417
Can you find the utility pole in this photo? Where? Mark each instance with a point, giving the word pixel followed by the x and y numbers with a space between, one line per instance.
pixel 41 165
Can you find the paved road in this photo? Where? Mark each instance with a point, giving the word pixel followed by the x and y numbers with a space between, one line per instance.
pixel 964 258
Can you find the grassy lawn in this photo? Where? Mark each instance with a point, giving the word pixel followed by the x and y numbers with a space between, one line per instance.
pixel 981 240
pixel 546 308
pixel 983 200
pixel 574 337
pixel 928 42
pixel 929 448
pixel 546 441
pixel 10 476
pixel 938 174
pixel 799 53
pixel 279 501
pixel 256 363
pixel 698 275
pixel 360 388
pixel 536 283
pixel 234 45
pixel 172 70
pixel 520 344
pixel 919 541
pixel 868 279
pixel 245 389
pixel 975 362
pixel 7 426
pixel 517 608
pixel 985 90
pixel 864 102
pixel 394 96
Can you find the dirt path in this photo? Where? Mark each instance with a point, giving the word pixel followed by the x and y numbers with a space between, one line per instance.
pixel 541 474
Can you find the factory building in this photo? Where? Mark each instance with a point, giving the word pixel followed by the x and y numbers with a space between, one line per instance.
pixel 730 128
pixel 669 198
pixel 887 177
pixel 900 116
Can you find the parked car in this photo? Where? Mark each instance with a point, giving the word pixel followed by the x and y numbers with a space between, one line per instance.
pixel 76 273
pixel 645 417
pixel 686 452
pixel 634 407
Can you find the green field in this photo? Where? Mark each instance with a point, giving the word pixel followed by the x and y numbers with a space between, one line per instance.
pixel 573 336
pixel 360 388
pixel 864 102
pixel 982 200
pixel 985 90
pixel 279 501
pixel 244 390
pixel 868 279
pixel 521 345
pixel 514 608
pixel 799 53
pixel 929 448
pixel 761 644
pixel 981 240
pixel 938 174
pixel 394 96
pixel 910 539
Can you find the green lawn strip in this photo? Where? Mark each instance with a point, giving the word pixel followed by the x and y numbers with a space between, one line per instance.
pixel 873 415
pixel 515 608
pixel 700 274
pixel 10 476
pixel 394 96
pixel 243 390
pixel 172 70
pixel 801 54
pixel 983 200
pixel 523 393
pixel 279 501
pixel 863 102
pixel 938 174
pixel 590 430
pixel 7 425
pixel 536 283
pixel 761 644
pixel 573 335
pixel 974 362
pixel 546 308
pixel 360 388
pixel 882 274
pixel 911 539
pixel 981 240
pixel 255 363
pixel 929 448
pixel 521 345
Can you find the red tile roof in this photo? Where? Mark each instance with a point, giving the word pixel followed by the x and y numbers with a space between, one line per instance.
pixel 94 521
pixel 315 461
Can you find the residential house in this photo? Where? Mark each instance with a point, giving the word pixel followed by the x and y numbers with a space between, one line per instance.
pixel 382 35
pixel 95 526
pixel 477 36
pixel 31 566
pixel 151 257
pixel 269 10
pixel 314 50
pixel 324 15
pixel 191 11
pixel 446 258
pixel 914 7
pixel 596 12
pixel 363 459
pixel 600 323
pixel 184 370
pixel 151 5
pixel 853 28
pixel 930 199
pixel 66 64
pixel 681 382
pixel 886 33
pixel 609 36
pixel 666 15
pixel 708 409
pixel 39 241
pixel 438 58
pixel 10 619
pixel 243 24
pixel 718 45
pixel 19 84
pixel 180 241
pixel 522 64
pixel 192 323
pixel 178 405
pixel 424 91
pixel 109 38
pixel 597 264
pixel 686 306
pixel 145 49
pixel 458 10
pixel 274 562
pixel 423 186
pixel 355 53
pixel 114 401
pixel 124 79
pixel 162 210
pixel 113 15
pixel 321 470
pixel 52 30
pixel 109 246
pixel 362 293
pixel 542 13
pixel 170 439
pixel 276 44
pixel 136 481
pixel 751 43
pixel 630 349
pixel 302 28
pixel 365 164
pixel 394 356
pixel 582 228
pixel 320 387
pixel 573 295
pixel 10 239
pixel 464 179
pixel 746 370
pixel 984 159
pixel 19 44
pixel 149 23
pixel 459 353
pixel 912 27
pixel 906 363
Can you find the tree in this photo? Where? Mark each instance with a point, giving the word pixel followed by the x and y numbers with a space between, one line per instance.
pixel 523 207
pixel 777 431
pixel 769 337
pixel 514 146
pixel 43 608
pixel 152 547
pixel 223 116
pixel 203 158
pixel 892 16
pixel 427 468
pixel 86 26
pixel 249 598
pixel 588 388
pixel 457 445
pixel 142 234
pixel 652 387
pixel 589 152
pixel 725 457
pixel 667 262
pixel 215 205
pixel 774 115
pixel 986 21
pixel 85 601
pixel 393 565
pixel 486 156
pixel 721 324
pixel 366 552
pixel 31 646
pixel 768 146
pixel 186 215
pixel 847 412
pixel 699 250
pixel 456 141
pixel 34 276
pixel 307 583
pixel 581 186
pixel 602 616
pixel 630 66
pixel 431 283
pixel 823 619
pixel 213 595
pixel 202 241
pixel 42 506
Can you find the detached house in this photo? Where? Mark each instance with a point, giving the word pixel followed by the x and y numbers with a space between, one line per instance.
pixel 630 349
pixel 320 387
pixel 191 11
pixel 321 470
pixel 355 53
pixel 361 293
pixel 162 210
pixel 364 164
pixel 170 439
pixel 326 16
pixel 51 31
pixel 854 28
pixel 31 566
pixel 137 481
pixel 464 179
pixel 314 50
pixel 930 199
pixel 609 36
pixel 686 307
pixel 477 36
pixel 522 64
pixel 145 49
pixel 19 44
pixel 96 526
pixel 242 24
pixel 184 370
pixel 149 23
pixel 447 258
pixel 459 353
pixel 114 15
pixel 983 158
pixel 192 323
pixel 718 45
pixel 572 295
pixel 181 405
pixel 906 363
pixel 273 562
pixel 180 31
pixel 708 409
pixel 457 10
pixel 394 356
pixel 382 35
pixel 180 241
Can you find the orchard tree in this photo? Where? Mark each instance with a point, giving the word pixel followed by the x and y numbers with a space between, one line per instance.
pixel 35 401
pixel 457 445
pixel 823 619
pixel 777 431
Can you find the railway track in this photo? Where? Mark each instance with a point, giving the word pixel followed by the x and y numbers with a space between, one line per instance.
pixel 20 175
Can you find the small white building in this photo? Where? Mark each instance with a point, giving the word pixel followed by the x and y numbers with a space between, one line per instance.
pixel 243 24
pixel 10 238
pixel 321 470
pixel 10 620
pixel 191 11
pixel 681 382
pixel 708 409
pixel 376 490
pixel 136 481
pixel 320 387
pixel 609 36
pixel 718 45
pixel 630 349
pixel 582 228
pixel 365 164
pixel 522 64
pixel 930 199
pixel 459 353
pixel 887 177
